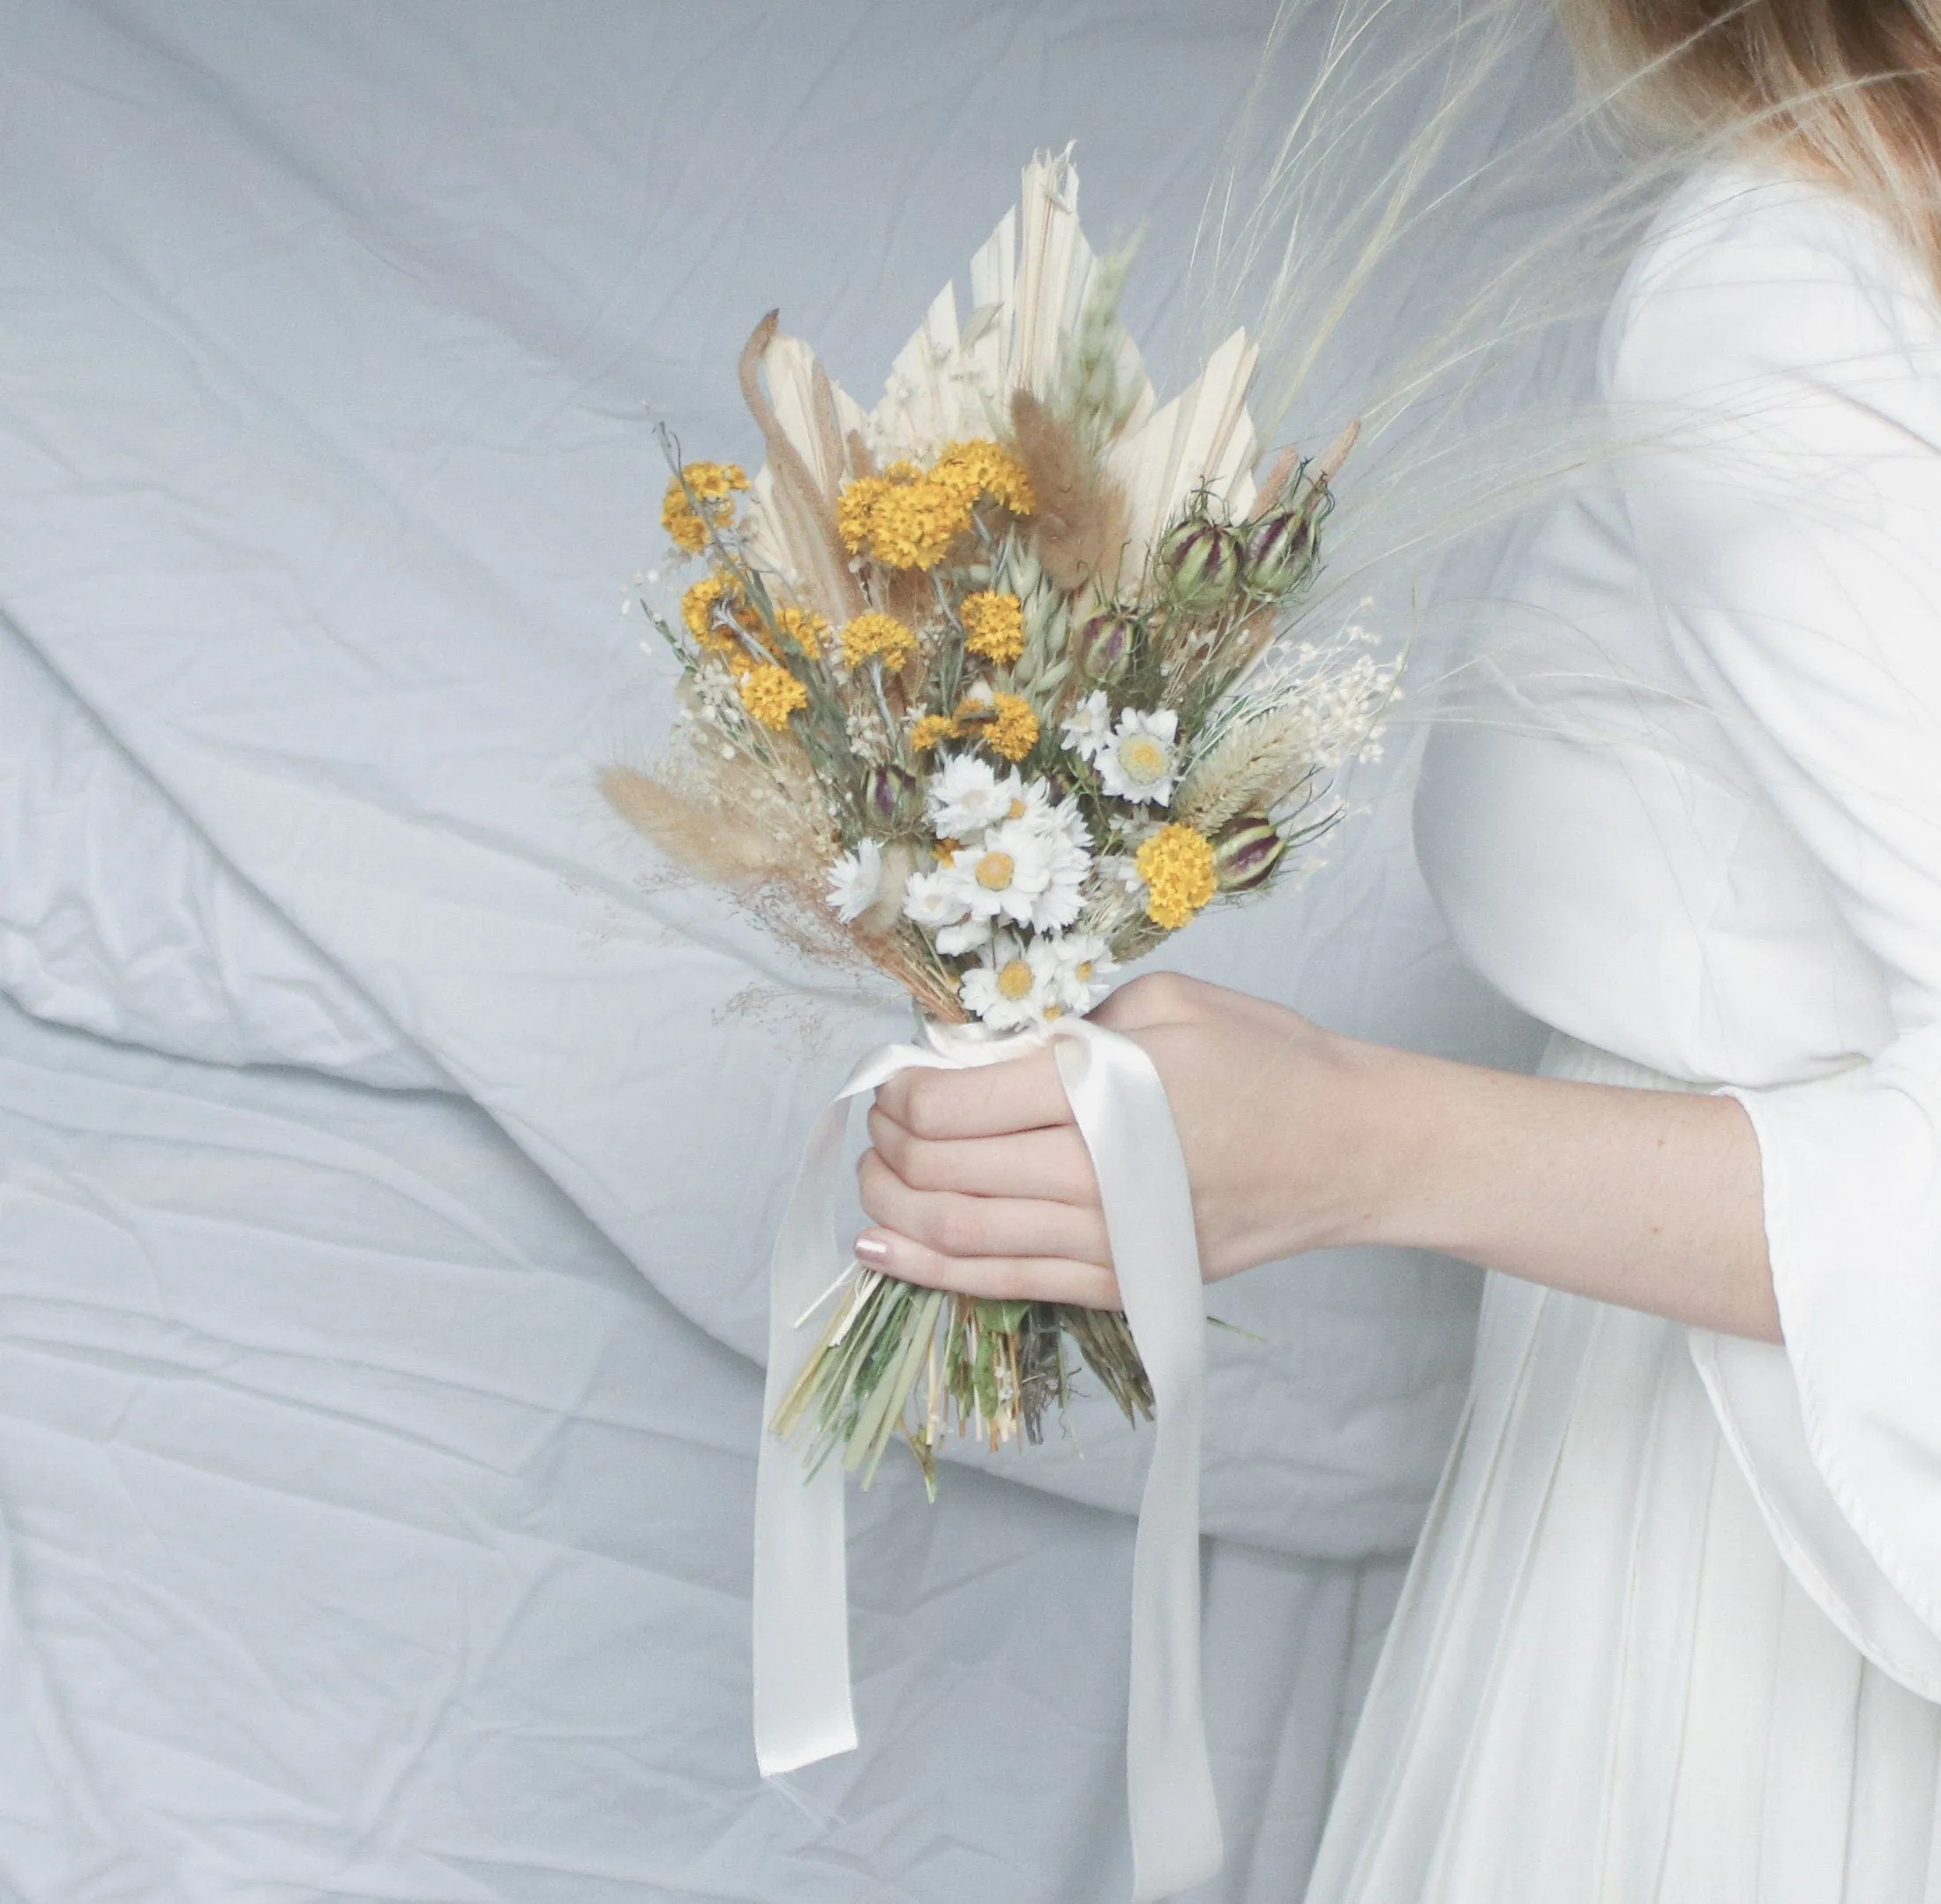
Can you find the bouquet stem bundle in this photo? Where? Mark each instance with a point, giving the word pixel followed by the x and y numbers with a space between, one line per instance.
pixel 987 1369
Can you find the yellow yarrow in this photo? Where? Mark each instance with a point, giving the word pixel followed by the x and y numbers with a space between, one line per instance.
pixel 911 525
pixel 929 730
pixel 908 518
pixel 712 486
pixel 982 468
pixel 1004 723
pixel 1177 866
pixel 705 606
pixel 772 694
pixel 879 634
pixel 1015 731
pixel 994 625
pixel 808 631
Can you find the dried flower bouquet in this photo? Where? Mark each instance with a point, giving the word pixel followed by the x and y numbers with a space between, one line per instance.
pixel 993 688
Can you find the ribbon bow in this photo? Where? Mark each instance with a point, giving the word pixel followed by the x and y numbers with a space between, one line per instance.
pixel 802 1711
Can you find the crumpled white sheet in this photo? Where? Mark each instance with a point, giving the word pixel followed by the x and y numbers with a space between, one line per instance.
pixel 370 1529
pixel 375 1509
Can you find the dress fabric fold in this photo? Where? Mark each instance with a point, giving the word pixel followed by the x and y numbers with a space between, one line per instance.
pixel 1674 1634
pixel 1604 1682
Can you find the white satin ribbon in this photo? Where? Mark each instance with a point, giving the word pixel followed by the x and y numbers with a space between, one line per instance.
pixel 802 1706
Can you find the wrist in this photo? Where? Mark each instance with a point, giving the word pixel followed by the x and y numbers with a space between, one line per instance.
pixel 1360 1150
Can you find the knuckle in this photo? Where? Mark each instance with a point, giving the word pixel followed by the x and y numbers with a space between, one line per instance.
pixel 889 1140
pixel 921 1166
pixel 1167 992
pixel 873 1181
pixel 924 1105
pixel 957 1227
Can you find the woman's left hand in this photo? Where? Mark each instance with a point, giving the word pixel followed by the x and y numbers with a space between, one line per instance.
pixel 978 1179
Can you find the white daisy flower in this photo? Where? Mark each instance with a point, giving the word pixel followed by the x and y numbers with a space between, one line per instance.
pixel 1003 873
pixel 1089 726
pixel 1083 962
pixel 931 901
pixel 1067 865
pixel 1010 992
pixel 1071 823
pixel 856 880
pixel 1032 803
pixel 971 936
pixel 966 795
pixel 1143 757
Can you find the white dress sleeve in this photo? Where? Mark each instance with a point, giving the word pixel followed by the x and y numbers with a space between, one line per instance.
pixel 1788 518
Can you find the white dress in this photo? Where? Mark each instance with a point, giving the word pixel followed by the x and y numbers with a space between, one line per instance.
pixel 1673 1632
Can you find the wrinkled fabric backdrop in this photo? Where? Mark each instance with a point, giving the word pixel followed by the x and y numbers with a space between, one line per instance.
pixel 387 1151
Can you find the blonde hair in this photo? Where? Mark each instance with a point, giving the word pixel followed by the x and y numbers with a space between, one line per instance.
pixel 1848 90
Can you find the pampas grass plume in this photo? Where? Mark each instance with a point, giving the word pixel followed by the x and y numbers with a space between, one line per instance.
pixel 1079 523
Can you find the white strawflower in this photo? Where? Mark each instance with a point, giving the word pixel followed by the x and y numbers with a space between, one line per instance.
pixel 1089 727
pixel 1033 804
pixel 971 936
pixel 1081 961
pixel 1067 864
pixel 1002 875
pixel 856 880
pixel 1071 823
pixel 931 901
pixel 966 795
pixel 1143 757
pixel 1010 992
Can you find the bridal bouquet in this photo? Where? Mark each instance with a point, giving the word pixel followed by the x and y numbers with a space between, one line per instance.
pixel 994 688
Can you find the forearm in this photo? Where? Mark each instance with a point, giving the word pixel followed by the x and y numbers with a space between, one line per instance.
pixel 1296 1139
pixel 1648 1199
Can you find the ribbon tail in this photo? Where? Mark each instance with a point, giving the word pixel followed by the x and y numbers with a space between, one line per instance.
pixel 802 1711
pixel 1119 1106
pixel 803 1707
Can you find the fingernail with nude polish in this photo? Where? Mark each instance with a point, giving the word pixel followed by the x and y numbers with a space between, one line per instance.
pixel 873 1249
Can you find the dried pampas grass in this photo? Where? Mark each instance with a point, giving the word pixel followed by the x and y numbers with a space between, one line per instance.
pixel 695 829
pixel 1080 522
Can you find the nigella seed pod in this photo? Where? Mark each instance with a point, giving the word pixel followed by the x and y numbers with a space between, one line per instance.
pixel 887 794
pixel 1278 552
pixel 1106 645
pixel 1200 566
pixel 1246 854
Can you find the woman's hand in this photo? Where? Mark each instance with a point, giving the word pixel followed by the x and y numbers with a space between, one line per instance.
pixel 1296 1138
pixel 978 1179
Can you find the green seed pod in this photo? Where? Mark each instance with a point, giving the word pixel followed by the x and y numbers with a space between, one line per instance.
pixel 889 794
pixel 1200 566
pixel 1245 853
pixel 1106 645
pixel 1278 553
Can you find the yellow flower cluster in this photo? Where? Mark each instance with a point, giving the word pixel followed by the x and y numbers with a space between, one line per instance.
pixel 982 468
pixel 704 604
pixel 928 730
pixel 1004 723
pixel 807 630
pixel 994 625
pixel 1015 731
pixel 712 486
pixel 908 517
pixel 1177 866
pixel 879 634
pixel 772 694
